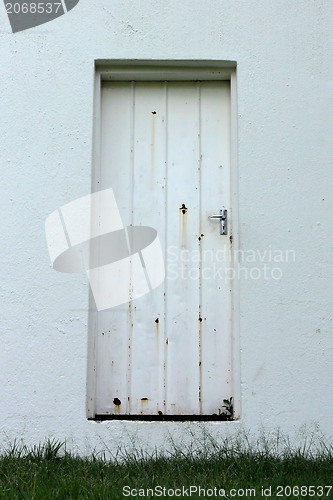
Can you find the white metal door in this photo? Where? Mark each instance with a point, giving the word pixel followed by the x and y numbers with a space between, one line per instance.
pixel 165 151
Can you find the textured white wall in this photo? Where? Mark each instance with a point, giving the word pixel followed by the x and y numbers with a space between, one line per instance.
pixel 285 101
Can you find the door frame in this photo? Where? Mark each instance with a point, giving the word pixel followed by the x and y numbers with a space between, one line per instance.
pixel 170 70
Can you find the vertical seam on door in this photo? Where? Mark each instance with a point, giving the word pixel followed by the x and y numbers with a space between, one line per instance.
pixel 131 200
pixel 166 92
pixel 200 251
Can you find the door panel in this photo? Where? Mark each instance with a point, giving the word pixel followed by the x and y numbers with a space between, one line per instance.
pixel 165 151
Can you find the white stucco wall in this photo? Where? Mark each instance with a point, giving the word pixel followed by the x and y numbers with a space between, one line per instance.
pixel 284 52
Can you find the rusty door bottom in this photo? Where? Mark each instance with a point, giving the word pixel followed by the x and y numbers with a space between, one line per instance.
pixel 164 418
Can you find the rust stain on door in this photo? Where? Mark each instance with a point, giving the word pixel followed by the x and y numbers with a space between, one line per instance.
pixel 183 225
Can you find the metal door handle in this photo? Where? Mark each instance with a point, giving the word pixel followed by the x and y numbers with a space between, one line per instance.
pixel 223 220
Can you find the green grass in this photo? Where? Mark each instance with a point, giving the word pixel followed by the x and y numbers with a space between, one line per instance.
pixel 49 472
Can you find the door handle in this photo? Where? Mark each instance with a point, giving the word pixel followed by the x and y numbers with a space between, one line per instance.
pixel 223 218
